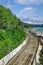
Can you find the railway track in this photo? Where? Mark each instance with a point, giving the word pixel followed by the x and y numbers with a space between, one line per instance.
pixel 23 57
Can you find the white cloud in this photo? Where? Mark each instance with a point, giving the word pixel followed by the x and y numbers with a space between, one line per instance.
pixel 26 15
pixel 28 9
pixel 37 19
pixel 29 1
pixel 9 5
pixel 25 12
pixel 33 20
pixel 21 1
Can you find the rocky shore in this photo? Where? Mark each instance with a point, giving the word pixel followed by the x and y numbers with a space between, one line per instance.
pixel 39 36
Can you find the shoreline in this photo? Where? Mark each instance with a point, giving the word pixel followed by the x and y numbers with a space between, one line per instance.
pixel 38 35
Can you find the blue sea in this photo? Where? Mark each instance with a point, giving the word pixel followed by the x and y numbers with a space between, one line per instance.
pixel 39 29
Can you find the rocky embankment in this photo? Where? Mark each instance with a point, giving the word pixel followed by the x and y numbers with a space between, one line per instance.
pixel 39 37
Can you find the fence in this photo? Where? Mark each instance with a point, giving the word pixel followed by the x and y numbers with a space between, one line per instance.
pixel 4 60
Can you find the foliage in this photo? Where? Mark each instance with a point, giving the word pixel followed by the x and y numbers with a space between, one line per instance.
pixel 11 31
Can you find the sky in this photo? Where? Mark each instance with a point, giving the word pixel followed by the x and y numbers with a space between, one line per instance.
pixel 29 11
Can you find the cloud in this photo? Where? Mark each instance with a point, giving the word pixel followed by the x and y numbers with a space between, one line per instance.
pixel 9 5
pixel 29 1
pixel 37 19
pixel 28 9
pixel 21 1
pixel 27 15
pixel 33 20
pixel 26 12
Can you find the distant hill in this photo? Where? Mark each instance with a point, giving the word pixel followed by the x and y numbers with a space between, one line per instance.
pixel 11 31
pixel 33 21
pixel 27 25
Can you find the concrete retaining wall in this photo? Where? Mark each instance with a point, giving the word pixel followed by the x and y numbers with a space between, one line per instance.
pixel 4 60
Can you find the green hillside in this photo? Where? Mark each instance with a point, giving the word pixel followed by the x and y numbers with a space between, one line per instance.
pixel 11 31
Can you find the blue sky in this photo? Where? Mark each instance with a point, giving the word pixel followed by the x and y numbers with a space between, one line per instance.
pixel 30 11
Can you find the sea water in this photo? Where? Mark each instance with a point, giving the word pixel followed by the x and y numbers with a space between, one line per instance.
pixel 39 29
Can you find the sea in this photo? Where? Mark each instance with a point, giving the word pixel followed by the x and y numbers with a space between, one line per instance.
pixel 39 29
